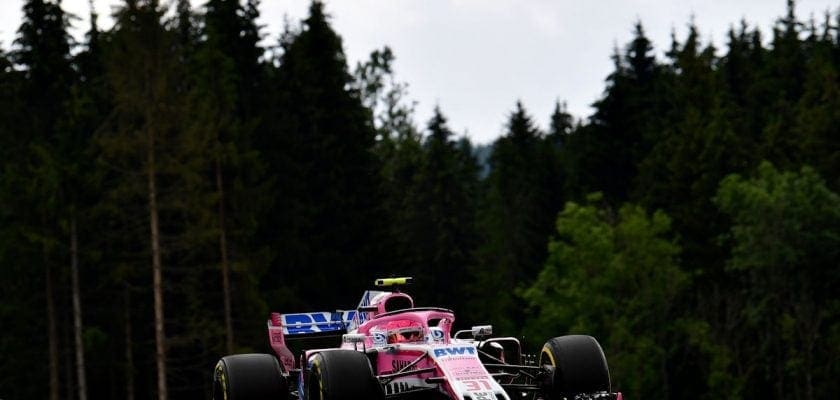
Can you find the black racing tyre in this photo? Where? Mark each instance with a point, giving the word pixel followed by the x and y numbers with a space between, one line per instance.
pixel 342 375
pixel 249 377
pixel 579 366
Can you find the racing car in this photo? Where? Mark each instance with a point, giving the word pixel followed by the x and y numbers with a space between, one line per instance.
pixel 386 348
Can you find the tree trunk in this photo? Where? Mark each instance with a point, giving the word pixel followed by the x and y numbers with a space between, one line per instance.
pixel 77 311
pixel 65 323
pixel 157 278
pixel 223 252
pixel 52 332
pixel 129 344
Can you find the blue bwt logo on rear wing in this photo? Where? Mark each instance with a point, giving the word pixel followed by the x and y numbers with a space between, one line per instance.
pixel 325 322
pixel 316 322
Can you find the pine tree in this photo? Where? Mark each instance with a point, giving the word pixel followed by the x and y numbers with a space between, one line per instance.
pixel 605 155
pixel 681 171
pixel 517 218
pixel 436 225
pixel 22 300
pixel 224 97
pixel 86 109
pixel 561 125
pixel 320 149
pixel 43 50
pixel 43 47
pixel 140 144
pixel 817 117
pixel 786 73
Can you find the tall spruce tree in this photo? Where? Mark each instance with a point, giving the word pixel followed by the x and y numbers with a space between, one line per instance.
pixel 224 95
pixel 519 207
pixel 436 224
pixel 87 107
pixel 561 125
pixel 148 157
pixel 604 154
pixel 817 116
pixel 43 51
pixel 231 28
pixel 21 291
pixel 786 72
pixel 327 226
pixel 680 172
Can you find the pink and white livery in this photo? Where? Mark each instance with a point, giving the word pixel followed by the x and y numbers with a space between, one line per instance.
pixel 390 349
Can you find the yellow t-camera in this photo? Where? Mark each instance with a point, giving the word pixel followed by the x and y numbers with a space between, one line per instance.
pixel 393 281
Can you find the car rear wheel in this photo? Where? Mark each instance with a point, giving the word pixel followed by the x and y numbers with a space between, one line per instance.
pixel 249 377
pixel 579 366
pixel 342 375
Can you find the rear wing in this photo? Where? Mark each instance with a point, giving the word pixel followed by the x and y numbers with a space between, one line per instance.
pixel 318 329
pixel 313 328
pixel 313 323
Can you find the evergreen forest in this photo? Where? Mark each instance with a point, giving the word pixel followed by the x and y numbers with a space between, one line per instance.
pixel 169 181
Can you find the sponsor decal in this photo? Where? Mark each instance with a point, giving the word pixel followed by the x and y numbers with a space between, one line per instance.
pixel 475 385
pixel 483 396
pixel 398 365
pixel 465 372
pixel 454 351
pixel 435 335
pixel 379 338
pixel 315 322
pixel 479 389
pixel 276 337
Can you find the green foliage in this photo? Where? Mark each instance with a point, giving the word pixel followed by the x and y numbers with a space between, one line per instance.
pixel 326 224
pixel 436 222
pixel 522 197
pixel 784 254
pixel 33 193
pixel 604 156
pixel 614 276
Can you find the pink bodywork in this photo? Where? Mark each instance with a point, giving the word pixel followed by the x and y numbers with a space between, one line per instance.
pixel 278 343
pixel 453 366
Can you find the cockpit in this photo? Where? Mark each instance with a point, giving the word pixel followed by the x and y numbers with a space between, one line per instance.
pixel 416 325
pixel 410 334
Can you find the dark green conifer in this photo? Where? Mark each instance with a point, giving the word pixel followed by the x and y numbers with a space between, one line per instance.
pixel 516 218
pixel 35 173
pixel 624 126
pixel 327 225
pixel 436 228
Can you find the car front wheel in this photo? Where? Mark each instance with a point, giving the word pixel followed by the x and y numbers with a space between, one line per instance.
pixel 342 375
pixel 579 366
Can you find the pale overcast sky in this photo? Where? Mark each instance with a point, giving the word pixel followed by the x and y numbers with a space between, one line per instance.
pixel 476 58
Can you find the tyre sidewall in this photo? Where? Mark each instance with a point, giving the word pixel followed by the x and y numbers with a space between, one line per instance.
pixel 579 366
pixel 342 375
pixel 249 377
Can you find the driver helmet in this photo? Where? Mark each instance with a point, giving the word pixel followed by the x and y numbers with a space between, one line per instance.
pixel 404 332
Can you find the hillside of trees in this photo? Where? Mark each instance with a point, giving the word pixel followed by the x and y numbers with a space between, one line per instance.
pixel 167 182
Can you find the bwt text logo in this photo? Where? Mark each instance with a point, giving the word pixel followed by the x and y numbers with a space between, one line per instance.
pixel 454 351
pixel 316 322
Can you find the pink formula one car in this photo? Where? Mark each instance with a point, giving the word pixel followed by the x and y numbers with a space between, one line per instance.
pixel 387 348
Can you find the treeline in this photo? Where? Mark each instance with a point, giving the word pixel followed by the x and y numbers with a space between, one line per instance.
pixel 167 182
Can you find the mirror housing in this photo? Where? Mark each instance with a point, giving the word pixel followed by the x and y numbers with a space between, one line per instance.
pixel 353 338
pixel 482 331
